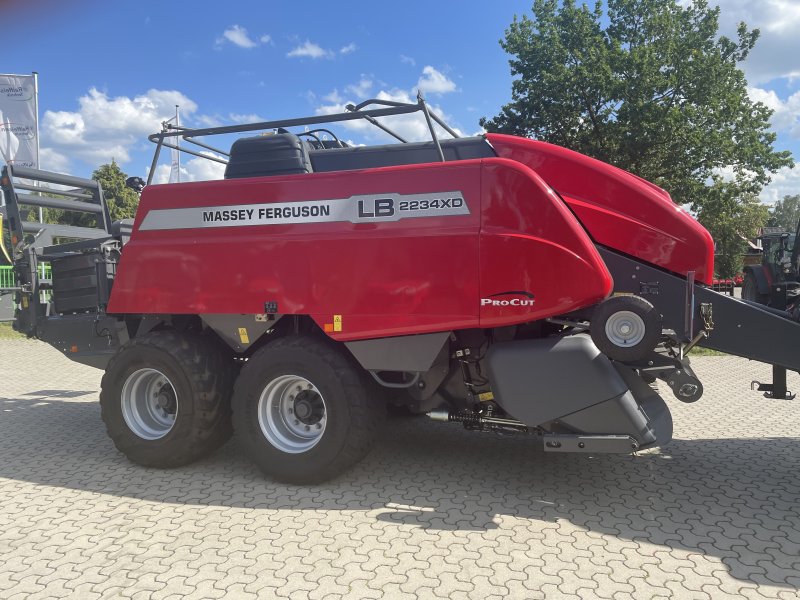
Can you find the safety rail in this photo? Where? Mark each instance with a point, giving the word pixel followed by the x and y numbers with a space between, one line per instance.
pixel 352 113
pixel 22 187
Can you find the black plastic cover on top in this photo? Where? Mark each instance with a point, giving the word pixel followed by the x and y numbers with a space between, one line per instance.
pixel 286 154
pixel 367 157
pixel 277 154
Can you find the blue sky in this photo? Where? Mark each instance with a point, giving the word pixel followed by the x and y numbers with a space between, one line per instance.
pixel 111 71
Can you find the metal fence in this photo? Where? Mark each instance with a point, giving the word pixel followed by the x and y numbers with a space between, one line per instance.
pixel 8 280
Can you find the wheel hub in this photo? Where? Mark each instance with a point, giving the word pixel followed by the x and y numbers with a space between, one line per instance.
pixel 292 414
pixel 625 328
pixel 149 404
pixel 308 407
pixel 166 400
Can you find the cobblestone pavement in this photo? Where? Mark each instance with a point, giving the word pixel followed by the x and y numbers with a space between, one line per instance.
pixel 434 511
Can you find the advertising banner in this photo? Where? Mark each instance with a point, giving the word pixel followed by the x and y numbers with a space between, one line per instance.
pixel 19 127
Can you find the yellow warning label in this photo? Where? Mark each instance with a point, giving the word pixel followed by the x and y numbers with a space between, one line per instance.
pixel 245 339
pixel 337 322
pixel 486 396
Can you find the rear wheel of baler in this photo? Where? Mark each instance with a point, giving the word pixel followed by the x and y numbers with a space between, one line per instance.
pixel 303 411
pixel 165 398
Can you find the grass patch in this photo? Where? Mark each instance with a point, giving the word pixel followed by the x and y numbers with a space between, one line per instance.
pixel 7 333
pixel 700 351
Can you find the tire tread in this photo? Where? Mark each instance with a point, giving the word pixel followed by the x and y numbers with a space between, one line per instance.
pixel 211 380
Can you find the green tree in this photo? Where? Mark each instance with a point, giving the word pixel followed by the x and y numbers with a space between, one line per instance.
pixel 785 213
pixel 122 201
pixel 731 219
pixel 649 86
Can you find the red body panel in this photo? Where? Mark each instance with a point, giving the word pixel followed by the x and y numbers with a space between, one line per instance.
pixel 531 242
pixel 618 209
pixel 382 278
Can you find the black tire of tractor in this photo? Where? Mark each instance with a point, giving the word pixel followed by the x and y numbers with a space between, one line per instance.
pixel 649 315
pixel 750 290
pixel 355 409
pixel 202 376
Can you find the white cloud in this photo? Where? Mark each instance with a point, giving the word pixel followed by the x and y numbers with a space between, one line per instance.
pixel 194 169
pixel 309 50
pixel 785 182
pixel 50 160
pixel 209 120
pixel 776 52
pixel 360 89
pixel 104 128
pixel 412 127
pixel 349 49
pixel 333 98
pixel 246 118
pixel 238 36
pixel 408 60
pixel 435 82
pixel 787 113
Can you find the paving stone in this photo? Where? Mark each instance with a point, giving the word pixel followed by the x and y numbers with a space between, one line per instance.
pixel 433 512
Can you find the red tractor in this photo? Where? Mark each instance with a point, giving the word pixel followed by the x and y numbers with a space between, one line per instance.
pixel 776 281
pixel 502 283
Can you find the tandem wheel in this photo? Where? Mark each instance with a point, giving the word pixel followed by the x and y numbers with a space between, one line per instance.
pixel 303 411
pixel 165 398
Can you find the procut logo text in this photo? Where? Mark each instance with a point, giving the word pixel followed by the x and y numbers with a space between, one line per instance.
pixel 501 299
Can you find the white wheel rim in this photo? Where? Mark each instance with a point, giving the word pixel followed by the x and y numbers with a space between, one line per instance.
pixel 292 414
pixel 625 329
pixel 149 404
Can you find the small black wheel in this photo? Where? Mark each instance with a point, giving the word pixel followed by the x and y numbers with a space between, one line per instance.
pixel 165 398
pixel 750 290
pixel 303 411
pixel 626 328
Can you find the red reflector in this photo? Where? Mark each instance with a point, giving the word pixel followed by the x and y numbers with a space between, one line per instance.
pixel 73 348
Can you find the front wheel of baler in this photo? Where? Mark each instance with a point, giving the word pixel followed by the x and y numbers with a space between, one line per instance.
pixel 626 328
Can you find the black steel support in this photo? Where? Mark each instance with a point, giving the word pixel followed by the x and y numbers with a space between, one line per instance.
pixel 57 178
pixel 776 389
pixel 403 109
pixel 156 154
pixel 749 330
pixel 424 107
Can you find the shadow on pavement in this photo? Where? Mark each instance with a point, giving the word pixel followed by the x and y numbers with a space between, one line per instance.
pixel 736 499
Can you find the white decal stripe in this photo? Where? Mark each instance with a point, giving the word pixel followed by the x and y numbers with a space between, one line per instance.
pixel 368 208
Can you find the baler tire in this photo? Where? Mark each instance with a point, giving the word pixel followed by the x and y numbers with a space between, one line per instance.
pixel 353 410
pixel 651 320
pixel 750 290
pixel 202 378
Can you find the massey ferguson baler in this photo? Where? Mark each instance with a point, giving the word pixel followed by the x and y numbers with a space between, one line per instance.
pixel 503 283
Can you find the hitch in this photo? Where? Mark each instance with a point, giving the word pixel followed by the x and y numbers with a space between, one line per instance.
pixel 776 389
pixel 675 372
